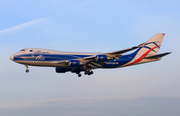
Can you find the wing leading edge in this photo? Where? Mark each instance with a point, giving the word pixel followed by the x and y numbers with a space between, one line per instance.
pixel 113 54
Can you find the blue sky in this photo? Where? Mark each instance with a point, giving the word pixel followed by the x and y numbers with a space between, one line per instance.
pixel 89 26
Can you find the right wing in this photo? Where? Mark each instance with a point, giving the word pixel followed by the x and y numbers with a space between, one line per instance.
pixel 92 60
pixel 113 55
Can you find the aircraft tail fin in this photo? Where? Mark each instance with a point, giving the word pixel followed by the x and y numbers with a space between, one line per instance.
pixel 152 46
pixel 148 51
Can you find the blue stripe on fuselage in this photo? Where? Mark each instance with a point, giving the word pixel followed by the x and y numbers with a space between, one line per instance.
pixel 47 57
pixel 121 61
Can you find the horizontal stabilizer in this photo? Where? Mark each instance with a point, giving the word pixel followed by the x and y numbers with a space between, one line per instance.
pixel 157 56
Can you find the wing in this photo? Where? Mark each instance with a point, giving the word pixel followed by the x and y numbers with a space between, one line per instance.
pixel 112 55
pixel 95 61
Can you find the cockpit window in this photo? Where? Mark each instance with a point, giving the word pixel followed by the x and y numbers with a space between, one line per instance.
pixel 23 50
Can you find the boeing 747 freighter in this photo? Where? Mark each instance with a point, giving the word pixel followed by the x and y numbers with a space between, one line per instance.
pixel 86 62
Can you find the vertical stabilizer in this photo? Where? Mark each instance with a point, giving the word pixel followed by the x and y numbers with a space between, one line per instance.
pixel 147 49
pixel 152 46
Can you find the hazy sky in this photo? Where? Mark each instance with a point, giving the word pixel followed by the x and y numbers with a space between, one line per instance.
pixel 89 26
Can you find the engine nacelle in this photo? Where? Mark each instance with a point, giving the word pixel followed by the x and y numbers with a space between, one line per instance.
pixel 74 63
pixel 101 58
pixel 75 70
pixel 61 70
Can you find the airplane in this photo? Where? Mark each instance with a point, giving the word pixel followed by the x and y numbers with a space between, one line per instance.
pixel 76 62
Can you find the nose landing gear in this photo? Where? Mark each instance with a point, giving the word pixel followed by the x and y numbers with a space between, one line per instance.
pixel 27 70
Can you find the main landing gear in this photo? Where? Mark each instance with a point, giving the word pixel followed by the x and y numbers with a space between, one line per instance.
pixel 79 75
pixel 88 72
pixel 27 70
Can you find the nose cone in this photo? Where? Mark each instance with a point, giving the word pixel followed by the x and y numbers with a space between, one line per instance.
pixel 12 57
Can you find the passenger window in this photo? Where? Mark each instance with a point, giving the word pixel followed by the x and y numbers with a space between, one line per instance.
pixel 31 50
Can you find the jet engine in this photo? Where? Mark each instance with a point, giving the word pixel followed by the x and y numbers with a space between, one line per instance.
pixel 101 58
pixel 74 63
pixel 76 70
pixel 61 70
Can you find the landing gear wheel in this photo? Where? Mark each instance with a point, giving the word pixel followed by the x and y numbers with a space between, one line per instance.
pixel 27 70
pixel 91 72
pixel 88 72
pixel 79 75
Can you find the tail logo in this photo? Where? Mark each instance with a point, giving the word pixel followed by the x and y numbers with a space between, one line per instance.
pixel 144 45
pixel 146 53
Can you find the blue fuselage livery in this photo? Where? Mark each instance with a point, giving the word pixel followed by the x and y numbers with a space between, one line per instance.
pixel 86 62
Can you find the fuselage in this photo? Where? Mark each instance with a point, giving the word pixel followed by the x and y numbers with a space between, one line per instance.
pixel 44 57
